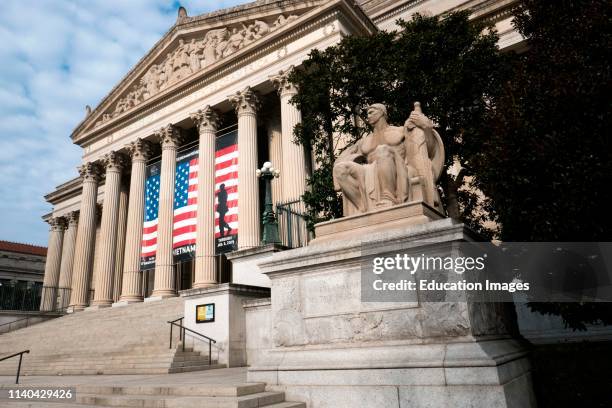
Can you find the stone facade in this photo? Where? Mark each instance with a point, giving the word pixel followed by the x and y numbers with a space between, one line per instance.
pixel 229 69
pixel 217 69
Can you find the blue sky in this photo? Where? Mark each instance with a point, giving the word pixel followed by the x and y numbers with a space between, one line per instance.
pixel 56 57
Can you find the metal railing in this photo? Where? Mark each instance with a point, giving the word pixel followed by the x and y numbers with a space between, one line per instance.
pixel 20 297
pixel 182 333
pixel 54 299
pixel 20 354
pixel 292 226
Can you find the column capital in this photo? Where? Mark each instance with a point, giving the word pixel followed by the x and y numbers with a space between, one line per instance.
pixel 169 136
pixel 90 171
pixel 206 119
pixel 281 82
pixel 245 101
pixel 139 149
pixel 57 224
pixel 114 161
pixel 73 218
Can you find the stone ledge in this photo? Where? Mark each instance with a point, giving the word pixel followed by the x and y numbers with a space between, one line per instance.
pixel 228 288
pixel 255 303
pixel 400 216
pixel 245 253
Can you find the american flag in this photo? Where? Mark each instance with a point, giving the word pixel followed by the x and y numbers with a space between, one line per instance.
pixel 185 203
pixel 226 172
pixel 149 231
pixel 185 208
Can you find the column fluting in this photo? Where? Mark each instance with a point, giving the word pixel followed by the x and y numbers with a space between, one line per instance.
pixel 52 265
pixel 207 122
pixel 164 286
pixel 275 153
pixel 103 296
pixel 294 173
pixel 96 254
pixel 83 252
pixel 131 290
pixel 246 104
pixel 120 248
pixel 65 280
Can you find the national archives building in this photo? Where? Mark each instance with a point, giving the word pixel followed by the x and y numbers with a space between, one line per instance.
pixel 167 189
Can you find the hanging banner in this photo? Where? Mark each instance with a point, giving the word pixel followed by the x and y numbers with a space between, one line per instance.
pixel 149 230
pixel 184 209
pixel 226 193
pixel 185 205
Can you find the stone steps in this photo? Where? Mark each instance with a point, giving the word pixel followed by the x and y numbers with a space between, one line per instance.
pixel 171 396
pixel 128 340
pixel 260 399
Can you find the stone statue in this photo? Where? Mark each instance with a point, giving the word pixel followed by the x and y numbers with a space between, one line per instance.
pixel 391 165
pixel 150 82
pixel 234 42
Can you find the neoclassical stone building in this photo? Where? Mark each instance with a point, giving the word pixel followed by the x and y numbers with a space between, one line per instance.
pixel 209 75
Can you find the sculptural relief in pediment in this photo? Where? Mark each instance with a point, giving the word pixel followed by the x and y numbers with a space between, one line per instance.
pixel 190 57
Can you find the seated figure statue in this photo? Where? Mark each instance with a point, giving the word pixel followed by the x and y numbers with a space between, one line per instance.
pixel 391 165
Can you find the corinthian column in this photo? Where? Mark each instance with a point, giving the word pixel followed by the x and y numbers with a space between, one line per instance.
pixel 103 295
pixel 275 153
pixel 120 250
pixel 294 164
pixel 52 266
pixel 246 103
pixel 131 290
pixel 165 286
pixel 207 121
pixel 83 253
pixel 65 280
pixel 96 254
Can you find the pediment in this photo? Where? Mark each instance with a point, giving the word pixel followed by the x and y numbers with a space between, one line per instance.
pixel 191 46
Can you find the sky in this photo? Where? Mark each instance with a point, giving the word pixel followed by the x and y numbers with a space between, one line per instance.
pixel 56 56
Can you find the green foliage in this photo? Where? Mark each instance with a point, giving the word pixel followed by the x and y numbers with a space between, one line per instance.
pixel 531 128
pixel 548 163
pixel 449 65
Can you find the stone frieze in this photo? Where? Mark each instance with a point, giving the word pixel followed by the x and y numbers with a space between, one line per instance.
pixel 191 57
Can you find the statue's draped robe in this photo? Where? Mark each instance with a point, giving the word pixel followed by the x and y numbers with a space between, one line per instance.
pixel 428 164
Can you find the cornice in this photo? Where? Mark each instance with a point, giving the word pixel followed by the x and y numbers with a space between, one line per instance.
pixel 307 22
pixel 65 190
pixel 488 10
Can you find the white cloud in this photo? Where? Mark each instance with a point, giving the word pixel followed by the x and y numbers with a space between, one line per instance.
pixel 57 56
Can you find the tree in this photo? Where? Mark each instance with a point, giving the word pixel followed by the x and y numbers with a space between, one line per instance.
pixel 451 65
pixel 547 165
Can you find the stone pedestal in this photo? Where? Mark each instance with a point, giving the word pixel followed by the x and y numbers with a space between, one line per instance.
pixel 324 345
pixel 412 213
pixel 245 264
pixel 229 327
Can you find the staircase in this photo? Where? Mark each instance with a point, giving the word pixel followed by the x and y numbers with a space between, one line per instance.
pixel 125 340
pixel 166 391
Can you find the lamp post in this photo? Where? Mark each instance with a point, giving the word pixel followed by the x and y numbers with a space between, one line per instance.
pixel 270 226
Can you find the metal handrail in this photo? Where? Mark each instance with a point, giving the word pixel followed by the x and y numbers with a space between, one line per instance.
pixel 183 329
pixel 20 354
